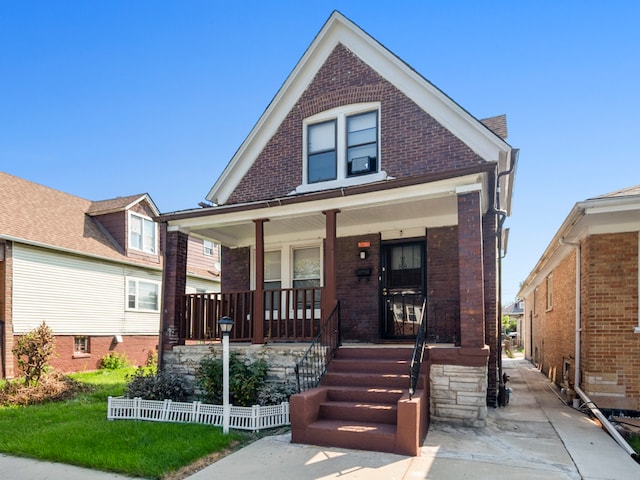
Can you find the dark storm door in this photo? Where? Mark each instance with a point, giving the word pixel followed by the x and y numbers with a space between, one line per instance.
pixel 403 274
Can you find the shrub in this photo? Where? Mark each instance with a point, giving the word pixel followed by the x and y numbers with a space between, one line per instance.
pixel 158 386
pixel 114 361
pixel 52 387
pixel 275 394
pixel 152 360
pixel 33 351
pixel 245 380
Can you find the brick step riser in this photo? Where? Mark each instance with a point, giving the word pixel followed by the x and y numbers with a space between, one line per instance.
pixel 365 380
pixel 372 441
pixel 364 394
pixel 377 366
pixel 375 353
pixel 371 413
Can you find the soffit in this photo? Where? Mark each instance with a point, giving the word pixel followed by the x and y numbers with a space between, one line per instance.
pixel 393 212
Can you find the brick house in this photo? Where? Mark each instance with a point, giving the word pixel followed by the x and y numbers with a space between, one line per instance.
pixel 587 282
pixel 361 186
pixel 91 270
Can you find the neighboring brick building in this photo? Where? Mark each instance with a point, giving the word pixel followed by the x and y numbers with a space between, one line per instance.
pixel 600 240
pixel 363 184
pixel 92 271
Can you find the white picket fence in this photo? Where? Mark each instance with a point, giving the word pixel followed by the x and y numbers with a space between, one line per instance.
pixel 242 418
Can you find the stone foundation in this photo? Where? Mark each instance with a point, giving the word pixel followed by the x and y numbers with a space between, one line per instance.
pixel 281 358
pixel 458 394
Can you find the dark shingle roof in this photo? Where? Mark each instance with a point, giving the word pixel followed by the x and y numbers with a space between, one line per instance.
pixel 497 125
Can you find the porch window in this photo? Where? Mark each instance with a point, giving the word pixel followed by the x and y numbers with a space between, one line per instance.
pixel 272 276
pixel 142 233
pixel 143 295
pixel 306 274
pixel 306 268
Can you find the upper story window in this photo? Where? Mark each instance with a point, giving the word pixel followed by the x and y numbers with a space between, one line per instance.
pixel 549 297
pixel 208 248
pixel 342 147
pixel 362 143
pixel 143 233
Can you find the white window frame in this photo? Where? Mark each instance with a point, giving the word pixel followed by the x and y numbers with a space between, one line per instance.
pixel 154 249
pixel 340 115
pixel 549 292
pixel 208 248
pixel 138 281
pixel 286 269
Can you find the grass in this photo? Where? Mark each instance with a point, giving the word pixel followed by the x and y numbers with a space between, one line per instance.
pixel 634 442
pixel 77 432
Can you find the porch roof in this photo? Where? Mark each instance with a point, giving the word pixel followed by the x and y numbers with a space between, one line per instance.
pixel 395 208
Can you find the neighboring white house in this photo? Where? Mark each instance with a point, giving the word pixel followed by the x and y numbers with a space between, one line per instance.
pixel 91 270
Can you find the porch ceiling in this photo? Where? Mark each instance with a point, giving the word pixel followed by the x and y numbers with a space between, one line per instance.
pixel 397 213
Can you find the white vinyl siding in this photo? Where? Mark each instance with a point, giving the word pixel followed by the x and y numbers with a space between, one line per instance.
pixel 197 284
pixel 76 295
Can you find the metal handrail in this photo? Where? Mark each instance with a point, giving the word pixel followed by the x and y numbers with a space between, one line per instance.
pixel 315 362
pixel 418 352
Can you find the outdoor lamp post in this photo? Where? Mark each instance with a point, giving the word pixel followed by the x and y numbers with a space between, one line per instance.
pixel 226 324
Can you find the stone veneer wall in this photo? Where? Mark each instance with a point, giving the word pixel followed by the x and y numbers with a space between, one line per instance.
pixel 458 394
pixel 281 358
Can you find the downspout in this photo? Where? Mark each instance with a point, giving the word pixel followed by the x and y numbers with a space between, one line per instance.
pixel 502 216
pixel 576 381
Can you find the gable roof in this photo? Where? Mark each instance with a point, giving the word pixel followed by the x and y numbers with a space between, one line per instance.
pixel 614 212
pixel 339 30
pixel 120 204
pixel 33 214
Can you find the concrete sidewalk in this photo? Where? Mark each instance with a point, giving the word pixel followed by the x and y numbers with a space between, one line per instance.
pixel 535 437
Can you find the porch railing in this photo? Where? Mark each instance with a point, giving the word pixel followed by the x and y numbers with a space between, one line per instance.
pixel 203 310
pixel 313 365
pixel 290 314
pixel 418 353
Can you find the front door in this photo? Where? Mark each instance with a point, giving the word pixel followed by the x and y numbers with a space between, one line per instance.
pixel 403 278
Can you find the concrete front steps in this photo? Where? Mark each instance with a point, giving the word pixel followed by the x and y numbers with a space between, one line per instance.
pixel 363 403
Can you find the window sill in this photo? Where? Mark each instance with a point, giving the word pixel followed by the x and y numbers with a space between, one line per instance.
pixel 636 329
pixel 341 183
pixel 80 355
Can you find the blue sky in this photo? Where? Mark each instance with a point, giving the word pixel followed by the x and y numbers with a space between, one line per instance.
pixel 108 98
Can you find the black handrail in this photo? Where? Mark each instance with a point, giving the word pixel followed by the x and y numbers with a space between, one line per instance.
pixel 418 352
pixel 315 362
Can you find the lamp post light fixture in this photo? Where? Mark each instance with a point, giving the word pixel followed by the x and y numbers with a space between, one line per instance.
pixel 226 324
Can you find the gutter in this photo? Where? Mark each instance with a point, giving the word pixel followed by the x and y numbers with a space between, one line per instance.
pixel 502 214
pixel 576 382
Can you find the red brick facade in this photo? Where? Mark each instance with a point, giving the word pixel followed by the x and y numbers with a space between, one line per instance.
pixel 609 314
pixel 136 348
pixel 412 142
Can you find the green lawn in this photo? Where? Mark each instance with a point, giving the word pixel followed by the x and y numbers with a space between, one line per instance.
pixel 78 432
